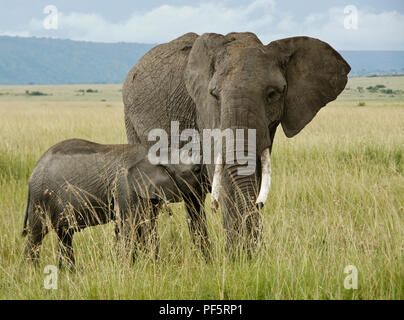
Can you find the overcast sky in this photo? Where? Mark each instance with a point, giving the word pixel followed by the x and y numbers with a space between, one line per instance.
pixel 380 24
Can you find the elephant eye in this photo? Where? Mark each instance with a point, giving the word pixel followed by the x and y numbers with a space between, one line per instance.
pixel 273 95
pixel 214 93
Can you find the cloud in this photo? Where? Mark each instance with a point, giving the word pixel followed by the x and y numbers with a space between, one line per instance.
pixel 376 30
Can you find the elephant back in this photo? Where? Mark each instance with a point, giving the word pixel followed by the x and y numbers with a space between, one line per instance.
pixel 154 92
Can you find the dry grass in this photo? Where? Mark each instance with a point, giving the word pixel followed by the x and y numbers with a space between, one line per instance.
pixel 337 200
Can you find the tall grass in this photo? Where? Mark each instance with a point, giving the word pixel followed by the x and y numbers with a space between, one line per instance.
pixel 337 199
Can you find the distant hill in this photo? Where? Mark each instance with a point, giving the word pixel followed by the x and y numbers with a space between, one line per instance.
pixel 368 63
pixel 56 61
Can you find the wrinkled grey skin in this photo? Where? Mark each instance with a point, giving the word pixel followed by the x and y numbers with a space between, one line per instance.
pixel 232 81
pixel 78 183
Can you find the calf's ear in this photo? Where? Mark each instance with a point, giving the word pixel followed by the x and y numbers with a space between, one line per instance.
pixel 152 181
pixel 146 180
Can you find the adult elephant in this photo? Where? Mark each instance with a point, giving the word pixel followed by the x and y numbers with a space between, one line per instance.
pixel 232 82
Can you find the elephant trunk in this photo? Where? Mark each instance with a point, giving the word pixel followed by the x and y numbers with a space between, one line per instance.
pixel 239 170
pixel 240 215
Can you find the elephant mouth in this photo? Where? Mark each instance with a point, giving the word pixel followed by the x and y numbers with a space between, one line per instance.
pixel 265 187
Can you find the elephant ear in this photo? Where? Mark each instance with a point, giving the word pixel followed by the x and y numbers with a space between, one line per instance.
pixel 201 63
pixel 152 181
pixel 147 179
pixel 315 74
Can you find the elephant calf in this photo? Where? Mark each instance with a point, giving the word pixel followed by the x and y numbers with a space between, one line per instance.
pixel 78 183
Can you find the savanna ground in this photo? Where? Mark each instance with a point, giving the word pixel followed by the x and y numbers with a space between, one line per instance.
pixel 337 199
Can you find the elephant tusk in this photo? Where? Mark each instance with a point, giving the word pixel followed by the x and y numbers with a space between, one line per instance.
pixel 216 183
pixel 266 177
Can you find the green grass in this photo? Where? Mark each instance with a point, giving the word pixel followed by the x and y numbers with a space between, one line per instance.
pixel 61 93
pixel 337 199
pixel 374 89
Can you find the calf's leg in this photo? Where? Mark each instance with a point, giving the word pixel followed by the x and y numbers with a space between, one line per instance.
pixel 66 254
pixel 35 231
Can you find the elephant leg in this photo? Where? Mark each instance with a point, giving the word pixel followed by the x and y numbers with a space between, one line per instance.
pixel 194 205
pixel 66 254
pixel 116 231
pixel 36 233
pixel 126 243
pixel 152 237
pixel 129 233
pixel 34 242
pixel 137 227
pixel 118 243
pixel 146 233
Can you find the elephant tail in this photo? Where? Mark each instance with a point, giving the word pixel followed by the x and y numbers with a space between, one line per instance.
pixel 25 229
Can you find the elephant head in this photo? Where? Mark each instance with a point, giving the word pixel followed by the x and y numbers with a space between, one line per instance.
pixel 236 82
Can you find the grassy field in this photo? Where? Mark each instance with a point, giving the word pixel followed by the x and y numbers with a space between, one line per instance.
pixel 337 199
